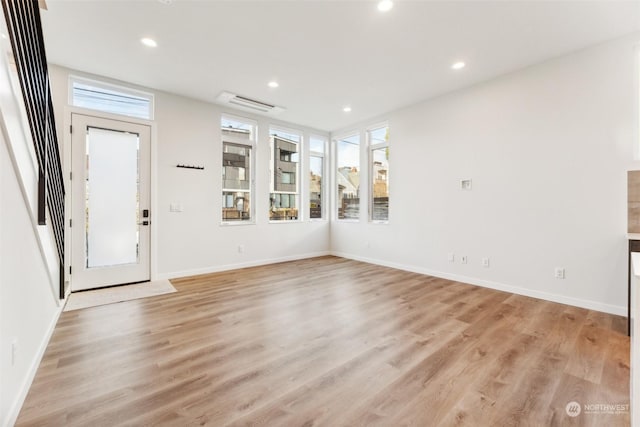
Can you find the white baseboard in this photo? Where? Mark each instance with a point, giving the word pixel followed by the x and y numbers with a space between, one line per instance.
pixel 562 299
pixel 16 406
pixel 226 267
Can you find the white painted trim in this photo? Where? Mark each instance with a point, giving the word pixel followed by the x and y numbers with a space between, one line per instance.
pixel 69 111
pixel 16 406
pixel 562 299
pixel 153 203
pixel 216 269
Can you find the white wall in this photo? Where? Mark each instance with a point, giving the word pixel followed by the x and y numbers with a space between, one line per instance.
pixel 547 149
pixel 28 309
pixel 29 305
pixel 194 241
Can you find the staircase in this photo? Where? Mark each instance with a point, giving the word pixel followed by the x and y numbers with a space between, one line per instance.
pixel 25 32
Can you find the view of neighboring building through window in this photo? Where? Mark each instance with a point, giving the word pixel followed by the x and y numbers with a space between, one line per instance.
pixel 285 164
pixel 316 172
pixel 378 139
pixel 348 176
pixel 238 138
pixel 110 98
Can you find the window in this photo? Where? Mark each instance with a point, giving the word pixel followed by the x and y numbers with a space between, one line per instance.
pixel 288 178
pixel 348 176
pixel 316 171
pixel 110 98
pixel 238 136
pixel 284 201
pixel 285 156
pixel 378 139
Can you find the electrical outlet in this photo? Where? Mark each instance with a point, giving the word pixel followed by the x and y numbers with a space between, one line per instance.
pixel 559 273
pixel 485 262
pixel 451 257
pixel 240 249
pixel 463 259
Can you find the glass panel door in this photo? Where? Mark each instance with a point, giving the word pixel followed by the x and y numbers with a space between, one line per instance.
pixel 112 198
pixel 110 202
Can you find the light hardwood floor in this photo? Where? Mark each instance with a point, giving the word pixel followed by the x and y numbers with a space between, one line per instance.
pixel 333 342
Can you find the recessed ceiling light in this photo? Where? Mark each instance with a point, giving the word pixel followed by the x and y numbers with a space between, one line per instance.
pixel 273 84
pixel 347 109
pixel 385 5
pixel 149 42
pixel 458 65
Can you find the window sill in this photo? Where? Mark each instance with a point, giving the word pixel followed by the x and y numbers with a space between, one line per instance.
pixel 235 224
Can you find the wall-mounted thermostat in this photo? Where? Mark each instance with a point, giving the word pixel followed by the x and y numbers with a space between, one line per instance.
pixel 465 184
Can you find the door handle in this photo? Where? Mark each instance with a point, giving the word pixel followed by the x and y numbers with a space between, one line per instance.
pixel 143 223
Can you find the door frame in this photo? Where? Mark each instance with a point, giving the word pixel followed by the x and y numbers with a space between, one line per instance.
pixel 67 167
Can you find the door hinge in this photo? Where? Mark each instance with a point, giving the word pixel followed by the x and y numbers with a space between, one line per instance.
pixel 70 176
pixel 70 223
pixel 69 270
pixel 70 128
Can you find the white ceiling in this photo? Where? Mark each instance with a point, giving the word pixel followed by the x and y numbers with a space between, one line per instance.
pixel 324 54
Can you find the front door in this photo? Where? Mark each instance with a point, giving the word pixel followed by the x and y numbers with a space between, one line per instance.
pixel 110 202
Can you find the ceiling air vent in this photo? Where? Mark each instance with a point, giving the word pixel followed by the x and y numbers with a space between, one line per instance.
pixel 245 103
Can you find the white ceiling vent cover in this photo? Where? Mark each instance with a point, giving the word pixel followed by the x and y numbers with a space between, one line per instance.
pixel 249 104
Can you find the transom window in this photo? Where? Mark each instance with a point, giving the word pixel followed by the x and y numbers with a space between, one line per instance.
pixel 110 98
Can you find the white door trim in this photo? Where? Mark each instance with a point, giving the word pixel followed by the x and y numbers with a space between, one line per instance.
pixel 82 277
pixel 68 111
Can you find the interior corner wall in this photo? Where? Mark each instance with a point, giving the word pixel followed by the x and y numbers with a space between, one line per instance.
pixel 547 149
pixel 187 131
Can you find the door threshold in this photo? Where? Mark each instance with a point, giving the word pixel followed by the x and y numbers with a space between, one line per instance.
pixel 111 286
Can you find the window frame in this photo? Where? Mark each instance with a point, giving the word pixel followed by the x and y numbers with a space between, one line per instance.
pixel 299 167
pixel 325 174
pixel 370 149
pixel 291 178
pixel 251 144
pixel 334 181
pixel 125 90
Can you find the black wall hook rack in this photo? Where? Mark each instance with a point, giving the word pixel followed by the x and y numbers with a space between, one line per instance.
pixel 190 167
